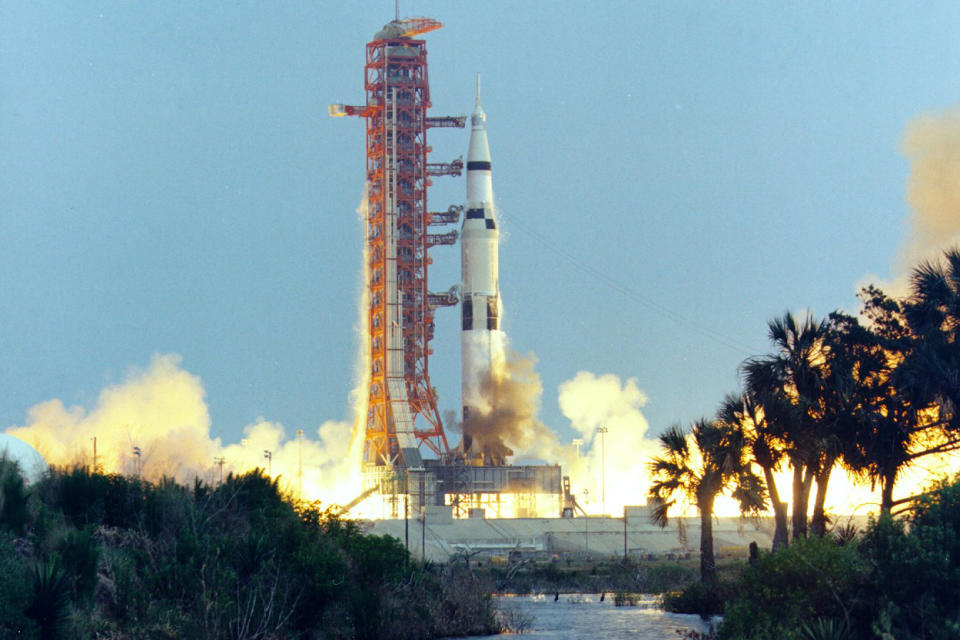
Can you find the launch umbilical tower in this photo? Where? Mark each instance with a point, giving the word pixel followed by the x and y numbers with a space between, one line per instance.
pixel 402 410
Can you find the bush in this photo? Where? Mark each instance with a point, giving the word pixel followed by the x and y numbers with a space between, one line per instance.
pixel 14 598
pixel 811 579
pixel 14 512
pixel 49 605
pixel 900 579
pixel 704 599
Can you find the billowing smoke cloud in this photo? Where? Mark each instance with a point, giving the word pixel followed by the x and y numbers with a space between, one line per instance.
pixel 615 461
pixel 511 425
pixel 932 144
pixel 161 410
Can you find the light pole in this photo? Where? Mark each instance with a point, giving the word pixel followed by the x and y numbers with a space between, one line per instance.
pixel 137 452
pixel 586 522
pixel 577 443
pixel 423 533
pixel 603 470
pixel 94 438
pixel 219 460
pixel 268 456
pixel 300 463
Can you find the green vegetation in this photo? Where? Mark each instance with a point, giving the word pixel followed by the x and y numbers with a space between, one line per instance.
pixel 873 398
pixel 898 579
pixel 87 555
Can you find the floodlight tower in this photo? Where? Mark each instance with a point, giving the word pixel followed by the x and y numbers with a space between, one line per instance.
pixel 402 409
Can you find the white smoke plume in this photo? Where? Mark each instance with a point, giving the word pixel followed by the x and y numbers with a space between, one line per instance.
pixel 617 460
pixel 161 410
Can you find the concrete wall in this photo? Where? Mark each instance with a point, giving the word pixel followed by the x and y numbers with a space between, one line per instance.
pixel 558 536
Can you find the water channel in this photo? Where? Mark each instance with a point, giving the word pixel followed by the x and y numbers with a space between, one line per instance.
pixel 575 616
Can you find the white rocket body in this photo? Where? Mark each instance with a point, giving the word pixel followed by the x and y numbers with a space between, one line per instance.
pixel 482 340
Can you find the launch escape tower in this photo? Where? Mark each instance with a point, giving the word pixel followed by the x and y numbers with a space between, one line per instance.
pixel 402 410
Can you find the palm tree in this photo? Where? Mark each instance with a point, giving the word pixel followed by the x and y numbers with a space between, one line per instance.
pixel 898 414
pixel 765 447
pixel 932 369
pixel 789 384
pixel 695 467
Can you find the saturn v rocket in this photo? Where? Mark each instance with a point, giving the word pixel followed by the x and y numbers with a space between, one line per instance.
pixel 482 340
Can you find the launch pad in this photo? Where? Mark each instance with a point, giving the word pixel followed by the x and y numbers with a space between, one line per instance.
pixel 507 491
pixel 402 414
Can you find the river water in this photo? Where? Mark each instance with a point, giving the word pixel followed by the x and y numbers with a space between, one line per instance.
pixel 576 616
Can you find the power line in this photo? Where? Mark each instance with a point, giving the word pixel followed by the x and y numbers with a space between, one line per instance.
pixel 635 296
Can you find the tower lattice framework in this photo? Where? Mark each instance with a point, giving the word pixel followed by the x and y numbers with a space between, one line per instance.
pixel 402 409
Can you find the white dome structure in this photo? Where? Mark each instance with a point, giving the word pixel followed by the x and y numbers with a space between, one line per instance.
pixel 31 463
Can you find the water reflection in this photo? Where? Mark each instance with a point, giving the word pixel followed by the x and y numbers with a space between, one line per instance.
pixel 575 616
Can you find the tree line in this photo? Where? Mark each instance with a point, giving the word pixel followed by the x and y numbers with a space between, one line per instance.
pixel 870 395
pixel 91 555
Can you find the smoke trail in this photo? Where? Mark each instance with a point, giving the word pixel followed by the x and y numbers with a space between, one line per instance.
pixel 161 410
pixel 360 395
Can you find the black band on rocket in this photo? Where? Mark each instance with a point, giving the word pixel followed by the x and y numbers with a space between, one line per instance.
pixel 478 165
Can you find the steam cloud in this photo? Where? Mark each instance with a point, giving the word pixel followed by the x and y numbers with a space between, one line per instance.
pixel 590 401
pixel 161 409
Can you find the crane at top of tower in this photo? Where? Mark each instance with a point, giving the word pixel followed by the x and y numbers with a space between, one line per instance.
pixel 408 28
pixel 419 26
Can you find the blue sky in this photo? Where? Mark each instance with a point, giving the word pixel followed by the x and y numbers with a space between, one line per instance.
pixel 670 176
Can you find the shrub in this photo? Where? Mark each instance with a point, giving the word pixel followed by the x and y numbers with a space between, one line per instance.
pixel 704 599
pixel 812 578
pixel 14 599
pixel 79 555
pixel 49 605
pixel 14 512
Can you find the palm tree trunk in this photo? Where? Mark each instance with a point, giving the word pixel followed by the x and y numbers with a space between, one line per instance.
pixel 798 524
pixel 818 524
pixel 802 483
pixel 780 536
pixel 886 492
pixel 708 566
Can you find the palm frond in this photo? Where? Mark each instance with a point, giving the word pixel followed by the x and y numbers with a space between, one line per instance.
pixel 674 441
pixel 658 513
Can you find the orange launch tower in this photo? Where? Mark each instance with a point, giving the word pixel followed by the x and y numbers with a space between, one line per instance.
pixel 402 410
